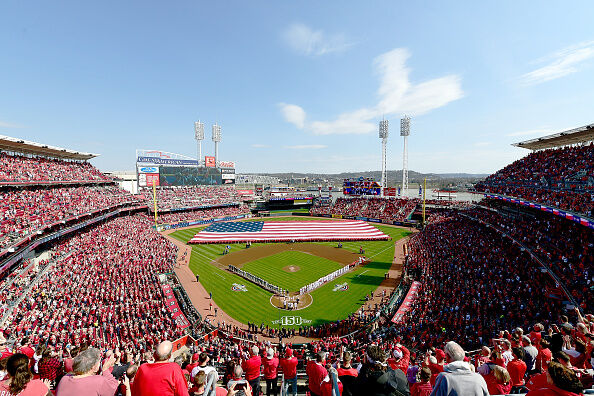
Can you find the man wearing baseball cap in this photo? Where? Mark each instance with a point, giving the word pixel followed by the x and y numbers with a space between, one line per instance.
pixel 289 367
pixel 270 365
pixel 190 367
pixel 251 368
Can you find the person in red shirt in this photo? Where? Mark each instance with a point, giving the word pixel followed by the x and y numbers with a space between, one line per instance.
pixel 422 387
pixel 544 356
pixel 289 367
pixel 84 379
pixel 347 374
pixel 561 382
pixel 316 372
pixel 251 368
pixel 517 367
pixel 328 383
pixel 498 380
pixel 26 348
pixel 270 365
pixel 237 383
pixel 536 335
pixel 400 358
pixel 484 357
pixel 161 378
pixel 20 379
pixel 194 363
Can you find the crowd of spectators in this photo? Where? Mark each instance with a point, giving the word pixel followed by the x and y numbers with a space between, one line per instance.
pixel 534 359
pixel 473 282
pixel 20 168
pixel 24 211
pixel 107 292
pixel 565 246
pixel 389 209
pixel 562 177
pixel 191 196
pixel 200 214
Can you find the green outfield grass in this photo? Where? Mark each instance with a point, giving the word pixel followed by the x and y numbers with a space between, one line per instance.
pixel 328 305
pixel 311 268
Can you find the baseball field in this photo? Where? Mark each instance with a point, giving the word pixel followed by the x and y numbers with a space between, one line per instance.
pixel 291 266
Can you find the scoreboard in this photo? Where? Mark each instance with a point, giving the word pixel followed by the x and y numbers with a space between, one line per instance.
pixel 361 186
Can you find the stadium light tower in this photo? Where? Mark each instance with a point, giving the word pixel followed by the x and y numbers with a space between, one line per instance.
pixel 383 134
pixel 199 135
pixel 405 132
pixel 216 138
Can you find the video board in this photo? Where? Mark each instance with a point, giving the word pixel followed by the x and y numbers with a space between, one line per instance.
pixel 189 176
pixel 361 186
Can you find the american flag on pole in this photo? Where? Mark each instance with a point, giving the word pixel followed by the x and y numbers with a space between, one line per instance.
pixel 281 231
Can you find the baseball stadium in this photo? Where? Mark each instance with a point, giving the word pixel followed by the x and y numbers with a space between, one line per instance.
pixel 192 273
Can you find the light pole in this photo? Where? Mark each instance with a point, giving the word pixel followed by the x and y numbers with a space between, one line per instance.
pixel 405 132
pixel 216 138
pixel 383 134
pixel 199 136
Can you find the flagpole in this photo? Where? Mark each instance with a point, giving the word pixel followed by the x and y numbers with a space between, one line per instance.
pixel 424 190
pixel 155 199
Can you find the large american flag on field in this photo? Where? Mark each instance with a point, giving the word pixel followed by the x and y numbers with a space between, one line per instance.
pixel 280 231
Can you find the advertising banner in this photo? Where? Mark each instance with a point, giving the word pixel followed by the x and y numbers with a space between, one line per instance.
pixel 166 161
pixel 336 216
pixel 148 169
pixel 210 162
pixel 228 176
pixel 227 164
pixel 411 296
pixel 227 171
pixel 147 179
pixel 569 216
pixel 245 192
pixel 390 192
pixel 173 307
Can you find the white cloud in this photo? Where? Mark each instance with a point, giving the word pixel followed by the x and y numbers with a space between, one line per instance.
pixel 561 63
pixel 397 95
pixel 293 114
pixel 306 147
pixel 257 145
pixel 9 125
pixel 307 41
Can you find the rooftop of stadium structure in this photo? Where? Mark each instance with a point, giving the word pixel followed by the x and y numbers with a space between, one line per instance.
pixel 579 135
pixel 17 145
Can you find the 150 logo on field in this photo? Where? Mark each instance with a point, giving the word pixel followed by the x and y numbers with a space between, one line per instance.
pixel 291 321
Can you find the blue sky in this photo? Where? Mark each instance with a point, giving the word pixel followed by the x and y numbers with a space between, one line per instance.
pixel 297 86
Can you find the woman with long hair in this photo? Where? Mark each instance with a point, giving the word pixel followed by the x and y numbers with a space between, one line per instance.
pixel 20 379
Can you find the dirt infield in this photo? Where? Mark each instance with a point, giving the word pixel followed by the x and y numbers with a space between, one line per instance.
pixel 239 258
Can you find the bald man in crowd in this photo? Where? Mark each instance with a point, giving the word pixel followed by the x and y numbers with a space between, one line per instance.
pixel 162 378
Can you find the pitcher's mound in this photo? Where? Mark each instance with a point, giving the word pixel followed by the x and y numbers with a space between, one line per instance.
pixel 291 268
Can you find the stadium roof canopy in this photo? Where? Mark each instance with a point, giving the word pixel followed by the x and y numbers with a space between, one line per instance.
pixel 8 143
pixel 579 135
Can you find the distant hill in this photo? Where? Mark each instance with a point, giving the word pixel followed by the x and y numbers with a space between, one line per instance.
pixel 394 177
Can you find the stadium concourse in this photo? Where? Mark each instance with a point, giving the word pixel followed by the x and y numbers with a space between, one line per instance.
pixel 496 298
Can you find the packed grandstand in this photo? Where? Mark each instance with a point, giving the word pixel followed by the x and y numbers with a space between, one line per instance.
pixel 504 292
